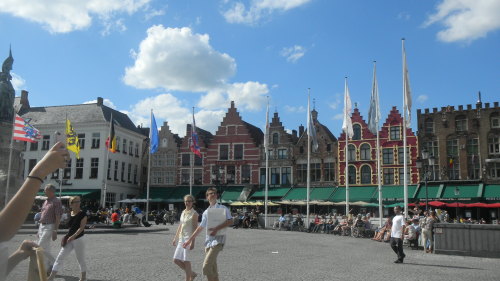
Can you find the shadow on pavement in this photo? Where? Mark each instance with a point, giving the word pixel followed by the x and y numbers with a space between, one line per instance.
pixel 439 265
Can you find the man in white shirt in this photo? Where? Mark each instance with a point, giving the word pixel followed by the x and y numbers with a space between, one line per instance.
pixel 398 228
pixel 214 241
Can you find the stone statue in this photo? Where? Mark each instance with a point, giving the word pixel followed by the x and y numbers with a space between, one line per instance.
pixel 7 92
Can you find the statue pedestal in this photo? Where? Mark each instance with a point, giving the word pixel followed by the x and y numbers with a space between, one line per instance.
pixel 17 165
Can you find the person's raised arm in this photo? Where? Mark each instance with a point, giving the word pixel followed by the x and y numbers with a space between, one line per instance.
pixel 15 212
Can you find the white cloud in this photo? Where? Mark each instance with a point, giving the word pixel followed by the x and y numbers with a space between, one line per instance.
pixel 337 102
pixel 404 16
pixel 248 96
pixel 154 13
pixel 213 100
pixel 258 10
pixel 293 54
pixel 170 109
pixel 178 59
pixel 62 16
pixel 17 82
pixel 466 20
pixel 339 116
pixel 422 98
pixel 106 102
pixel 295 109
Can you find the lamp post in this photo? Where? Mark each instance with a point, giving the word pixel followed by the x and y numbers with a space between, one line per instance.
pixel 423 165
pixel 457 193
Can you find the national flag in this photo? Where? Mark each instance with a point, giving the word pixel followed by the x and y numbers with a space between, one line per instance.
pixel 154 135
pixel 195 147
pixel 310 127
pixel 451 162
pixel 347 124
pixel 374 112
pixel 111 141
pixel 23 131
pixel 406 89
pixel 72 142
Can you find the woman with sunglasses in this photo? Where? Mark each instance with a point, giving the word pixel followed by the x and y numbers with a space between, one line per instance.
pixel 73 240
pixel 187 225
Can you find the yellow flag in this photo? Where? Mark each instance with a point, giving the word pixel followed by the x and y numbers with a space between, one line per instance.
pixel 72 139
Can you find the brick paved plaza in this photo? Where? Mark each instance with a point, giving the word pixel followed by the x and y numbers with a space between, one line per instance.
pixel 263 255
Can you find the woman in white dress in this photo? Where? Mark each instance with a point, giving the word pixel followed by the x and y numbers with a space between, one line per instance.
pixel 187 225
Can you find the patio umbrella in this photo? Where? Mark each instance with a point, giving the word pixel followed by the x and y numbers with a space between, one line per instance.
pixel 454 205
pixel 477 205
pixel 238 203
pixel 359 203
pixel 494 205
pixel 437 203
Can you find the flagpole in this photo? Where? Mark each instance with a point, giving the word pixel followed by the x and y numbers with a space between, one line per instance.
pixel 149 165
pixel 266 148
pixel 377 109
pixel 405 167
pixel 191 160
pixel 106 162
pixel 308 152
pixel 346 155
pixel 11 148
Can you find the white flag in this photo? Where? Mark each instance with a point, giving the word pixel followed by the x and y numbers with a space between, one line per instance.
pixel 374 112
pixel 406 89
pixel 266 134
pixel 347 124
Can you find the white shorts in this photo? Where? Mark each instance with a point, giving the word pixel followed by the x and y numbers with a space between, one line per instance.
pixel 181 253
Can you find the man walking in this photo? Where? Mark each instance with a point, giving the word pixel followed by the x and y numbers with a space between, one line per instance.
pixel 398 227
pixel 213 242
pixel 49 223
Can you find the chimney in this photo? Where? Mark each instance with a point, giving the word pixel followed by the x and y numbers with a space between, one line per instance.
pixel 99 101
pixel 294 133
pixel 25 103
pixel 301 130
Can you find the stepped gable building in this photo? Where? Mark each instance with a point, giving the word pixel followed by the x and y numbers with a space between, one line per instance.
pixel 362 152
pixel 465 141
pixel 281 161
pixel 164 161
pixel 86 176
pixel 233 156
pixel 186 156
pixel 323 162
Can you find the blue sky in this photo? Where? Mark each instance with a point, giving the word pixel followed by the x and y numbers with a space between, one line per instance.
pixel 173 55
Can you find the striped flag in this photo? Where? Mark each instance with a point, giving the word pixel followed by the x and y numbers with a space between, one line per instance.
pixel 23 131
pixel 195 147
pixel 111 141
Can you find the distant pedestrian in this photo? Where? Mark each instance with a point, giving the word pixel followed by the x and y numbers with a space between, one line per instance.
pixel 398 228
pixel 213 242
pixel 189 222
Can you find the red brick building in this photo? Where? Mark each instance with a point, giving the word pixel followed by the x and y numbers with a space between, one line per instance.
pixel 232 157
pixel 186 156
pixel 362 152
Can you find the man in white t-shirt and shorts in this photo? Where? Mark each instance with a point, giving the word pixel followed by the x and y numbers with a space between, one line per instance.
pixel 398 228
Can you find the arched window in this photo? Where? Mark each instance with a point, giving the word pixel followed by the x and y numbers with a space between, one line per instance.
pixel 366 175
pixel 365 151
pixel 357 132
pixel 276 138
pixel 352 175
pixel 352 152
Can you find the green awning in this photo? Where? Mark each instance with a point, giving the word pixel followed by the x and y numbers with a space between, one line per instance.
pixel 298 193
pixel 276 192
pixel 233 194
pixel 356 193
pixel 396 192
pixel 466 192
pixel 321 193
pixel 85 193
pixel 432 192
pixel 491 192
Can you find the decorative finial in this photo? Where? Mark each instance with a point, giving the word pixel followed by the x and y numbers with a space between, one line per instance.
pixel 479 97
pixel 356 105
pixel 314 104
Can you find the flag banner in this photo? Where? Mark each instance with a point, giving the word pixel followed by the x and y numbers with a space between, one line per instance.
pixel 195 147
pixel 407 91
pixel 347 124
pixel 374 112
pixel 72 139
pixel 23 131
pixel 266 134
pixel 154 135
pixel 111 141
